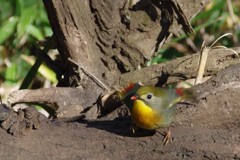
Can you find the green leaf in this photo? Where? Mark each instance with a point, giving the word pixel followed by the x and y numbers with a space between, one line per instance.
pixel 11 73
pixel 6 10
pixel 31 74
pixel 48 73
pixel 18 7
pixel 216 6
pixel 35 32
pixel 48 31
pixel 42 15
pixel 26 18
pixel 45 71
pixel 8 29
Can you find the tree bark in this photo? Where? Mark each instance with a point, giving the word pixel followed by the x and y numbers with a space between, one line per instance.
pixel 107 39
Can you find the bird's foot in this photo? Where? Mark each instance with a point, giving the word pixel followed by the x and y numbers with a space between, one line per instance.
pixel 133 128
pixel 167 137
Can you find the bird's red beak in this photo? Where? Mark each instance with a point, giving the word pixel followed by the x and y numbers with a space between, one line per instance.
pixel 134 98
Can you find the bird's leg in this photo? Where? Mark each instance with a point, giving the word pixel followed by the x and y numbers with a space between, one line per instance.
pixel 167 137
pixel 133 128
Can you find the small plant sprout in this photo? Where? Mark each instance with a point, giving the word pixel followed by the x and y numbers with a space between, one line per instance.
pixel 204 54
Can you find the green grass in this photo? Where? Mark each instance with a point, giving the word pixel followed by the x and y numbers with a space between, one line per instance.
pixel 23 23
pixel 214 21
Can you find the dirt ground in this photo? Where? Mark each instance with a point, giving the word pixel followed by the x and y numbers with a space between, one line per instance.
pixel 210 129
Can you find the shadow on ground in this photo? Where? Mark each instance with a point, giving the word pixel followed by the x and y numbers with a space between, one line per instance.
pixel 120 126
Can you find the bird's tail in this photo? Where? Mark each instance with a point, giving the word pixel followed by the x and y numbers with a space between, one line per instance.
pixel 185 94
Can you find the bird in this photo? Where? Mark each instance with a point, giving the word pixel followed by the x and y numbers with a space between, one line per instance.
pixel 152 107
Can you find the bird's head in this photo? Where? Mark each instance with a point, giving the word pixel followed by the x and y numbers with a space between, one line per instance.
pixel 151 96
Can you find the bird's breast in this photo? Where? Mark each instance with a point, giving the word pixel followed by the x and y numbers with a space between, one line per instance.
pixel 144 116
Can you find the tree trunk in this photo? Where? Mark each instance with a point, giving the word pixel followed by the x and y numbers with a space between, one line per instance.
pixel 107 39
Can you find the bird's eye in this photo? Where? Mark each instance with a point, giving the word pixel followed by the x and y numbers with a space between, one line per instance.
pixel 149 96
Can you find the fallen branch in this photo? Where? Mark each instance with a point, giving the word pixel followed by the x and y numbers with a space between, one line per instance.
pixel 71 102
pixel 66 102
pixel 181 68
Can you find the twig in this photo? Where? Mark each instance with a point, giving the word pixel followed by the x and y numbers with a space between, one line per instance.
pixel 203 57
pixel 202 63
pixel 93 77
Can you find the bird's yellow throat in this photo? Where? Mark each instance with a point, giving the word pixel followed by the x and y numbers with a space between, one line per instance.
pixel 144 116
